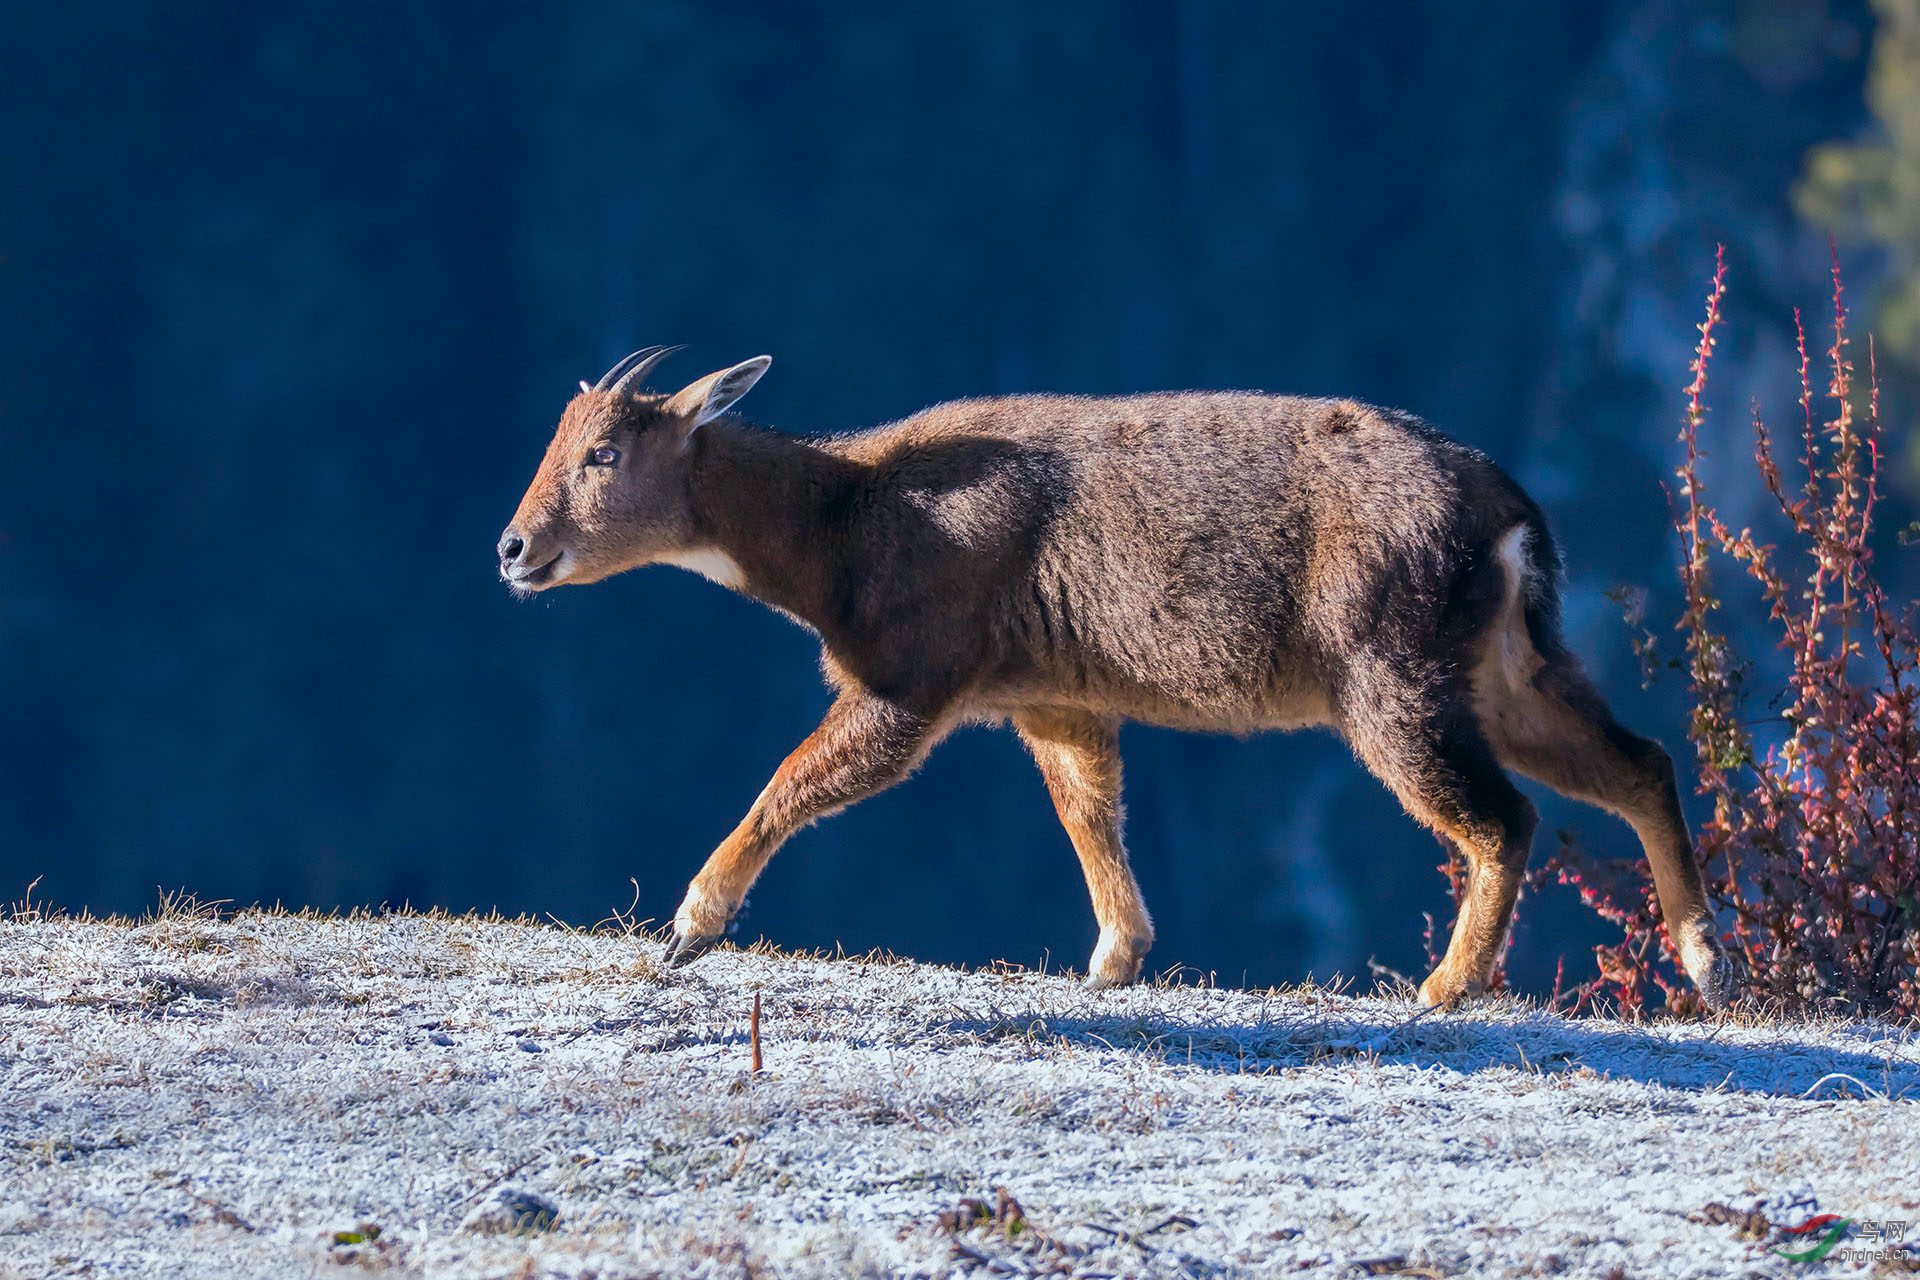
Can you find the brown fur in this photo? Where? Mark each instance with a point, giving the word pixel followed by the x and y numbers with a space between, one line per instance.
pixel 1207 561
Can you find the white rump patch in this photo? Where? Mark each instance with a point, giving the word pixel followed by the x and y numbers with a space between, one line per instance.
pixel 1517 660
pixel 710 563
pixel 1513 554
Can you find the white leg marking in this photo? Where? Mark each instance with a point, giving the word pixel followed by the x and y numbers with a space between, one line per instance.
pixel 700 915
pixel 1710 970
pixel 1114 958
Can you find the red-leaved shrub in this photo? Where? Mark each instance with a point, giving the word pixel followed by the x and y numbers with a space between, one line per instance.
pixel 1812 853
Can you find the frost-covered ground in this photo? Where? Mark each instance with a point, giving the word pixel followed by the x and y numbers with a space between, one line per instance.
pixel 199 1097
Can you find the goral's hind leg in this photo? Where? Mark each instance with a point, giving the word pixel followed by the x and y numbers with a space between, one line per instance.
pixel 1079 756
pixel 1555 727
pixel 865 743
pixel 1423 742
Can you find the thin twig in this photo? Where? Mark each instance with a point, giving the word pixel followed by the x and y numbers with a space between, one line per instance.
pixel 753 1032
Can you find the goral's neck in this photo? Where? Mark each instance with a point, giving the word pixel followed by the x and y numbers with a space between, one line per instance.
pixel 775 508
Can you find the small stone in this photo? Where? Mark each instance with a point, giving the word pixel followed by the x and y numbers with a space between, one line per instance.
pixel 530 1046
pixel 512 1212
pixel 443 1039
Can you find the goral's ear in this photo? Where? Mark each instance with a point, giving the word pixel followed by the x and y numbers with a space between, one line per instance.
pixel 705 400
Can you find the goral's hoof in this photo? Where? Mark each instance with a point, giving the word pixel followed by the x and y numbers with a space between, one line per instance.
pixel 1118 959
pixel 1443 991
pixel 1719 987
pixel 684 950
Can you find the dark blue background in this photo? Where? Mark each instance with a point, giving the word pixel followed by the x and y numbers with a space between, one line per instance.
pixel 293 295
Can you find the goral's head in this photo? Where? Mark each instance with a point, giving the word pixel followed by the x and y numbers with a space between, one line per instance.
pixel 614 490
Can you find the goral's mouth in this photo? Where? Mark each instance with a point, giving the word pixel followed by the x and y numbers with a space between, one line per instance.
pixel 525 581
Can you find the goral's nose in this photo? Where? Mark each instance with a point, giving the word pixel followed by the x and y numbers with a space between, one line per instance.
pixel 511 545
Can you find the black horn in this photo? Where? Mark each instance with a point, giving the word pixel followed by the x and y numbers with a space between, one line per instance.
pixel 631 373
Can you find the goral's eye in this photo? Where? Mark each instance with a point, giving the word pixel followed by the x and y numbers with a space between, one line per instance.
pixel 604 456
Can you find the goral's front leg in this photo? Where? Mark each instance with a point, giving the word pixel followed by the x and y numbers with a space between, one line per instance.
pixel 864 744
